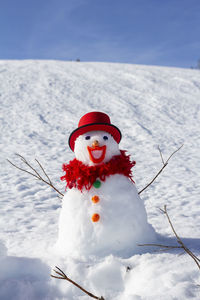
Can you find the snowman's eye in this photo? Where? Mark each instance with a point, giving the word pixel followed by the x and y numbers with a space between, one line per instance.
pixel 87 137
pixel 105 138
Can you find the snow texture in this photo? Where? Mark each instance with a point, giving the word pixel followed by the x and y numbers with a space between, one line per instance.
pixel 41 103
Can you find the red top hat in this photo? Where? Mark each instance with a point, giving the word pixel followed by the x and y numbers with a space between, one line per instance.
pixel 94 121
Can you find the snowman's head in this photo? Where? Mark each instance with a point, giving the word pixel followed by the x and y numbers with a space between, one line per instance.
pixel 95 147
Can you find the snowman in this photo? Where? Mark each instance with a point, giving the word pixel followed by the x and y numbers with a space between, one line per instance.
pixel 102 213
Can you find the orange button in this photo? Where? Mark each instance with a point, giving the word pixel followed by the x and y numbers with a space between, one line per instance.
pixel 95 217
pixel 95 199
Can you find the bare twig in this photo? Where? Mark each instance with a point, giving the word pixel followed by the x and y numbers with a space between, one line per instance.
pixel 161 246
pixel 161 155
pixel 35 173
pixel 43 170
pixel 194 257
pixel 63 276
pixel 179 241
pixel 164 165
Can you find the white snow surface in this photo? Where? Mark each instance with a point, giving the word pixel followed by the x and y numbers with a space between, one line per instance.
pixel 41 104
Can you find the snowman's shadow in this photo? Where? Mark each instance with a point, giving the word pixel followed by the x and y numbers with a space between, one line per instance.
pixel 193 244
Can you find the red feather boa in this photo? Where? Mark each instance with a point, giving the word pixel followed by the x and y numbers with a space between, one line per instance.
pixel 79 175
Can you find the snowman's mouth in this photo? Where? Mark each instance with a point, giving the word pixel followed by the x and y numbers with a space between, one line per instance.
pixel 97 154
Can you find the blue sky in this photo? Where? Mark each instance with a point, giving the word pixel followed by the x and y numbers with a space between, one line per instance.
pixel 153 32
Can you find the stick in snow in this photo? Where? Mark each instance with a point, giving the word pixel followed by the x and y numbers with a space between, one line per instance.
pixel 179 241
pixel 62 275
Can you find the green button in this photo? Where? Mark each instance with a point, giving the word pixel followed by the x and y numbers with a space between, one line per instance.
pixel 97 184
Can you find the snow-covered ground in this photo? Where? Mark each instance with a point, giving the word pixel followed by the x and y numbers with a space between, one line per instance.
pixel 41 103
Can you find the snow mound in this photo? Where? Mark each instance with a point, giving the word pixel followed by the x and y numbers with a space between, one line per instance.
pixel 25 278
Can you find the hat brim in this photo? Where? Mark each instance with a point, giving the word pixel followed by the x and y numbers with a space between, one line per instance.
pixel 110 128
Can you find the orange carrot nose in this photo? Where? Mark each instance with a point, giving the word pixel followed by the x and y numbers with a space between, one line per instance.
pixel 95 143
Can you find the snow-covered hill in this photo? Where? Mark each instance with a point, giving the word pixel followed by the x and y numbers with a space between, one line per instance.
pixel 41 103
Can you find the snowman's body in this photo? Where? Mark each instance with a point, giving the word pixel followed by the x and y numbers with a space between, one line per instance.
pixel 122 223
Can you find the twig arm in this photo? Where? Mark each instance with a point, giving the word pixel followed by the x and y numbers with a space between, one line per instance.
pixel 41 167
pixel 161 155
pixel 152 179
pixel 174 153
pixel 164 165
pixel 26 163
pixel 36 174
pixel 23 170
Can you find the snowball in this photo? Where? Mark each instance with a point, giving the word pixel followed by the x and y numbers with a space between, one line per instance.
pixel 122 225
